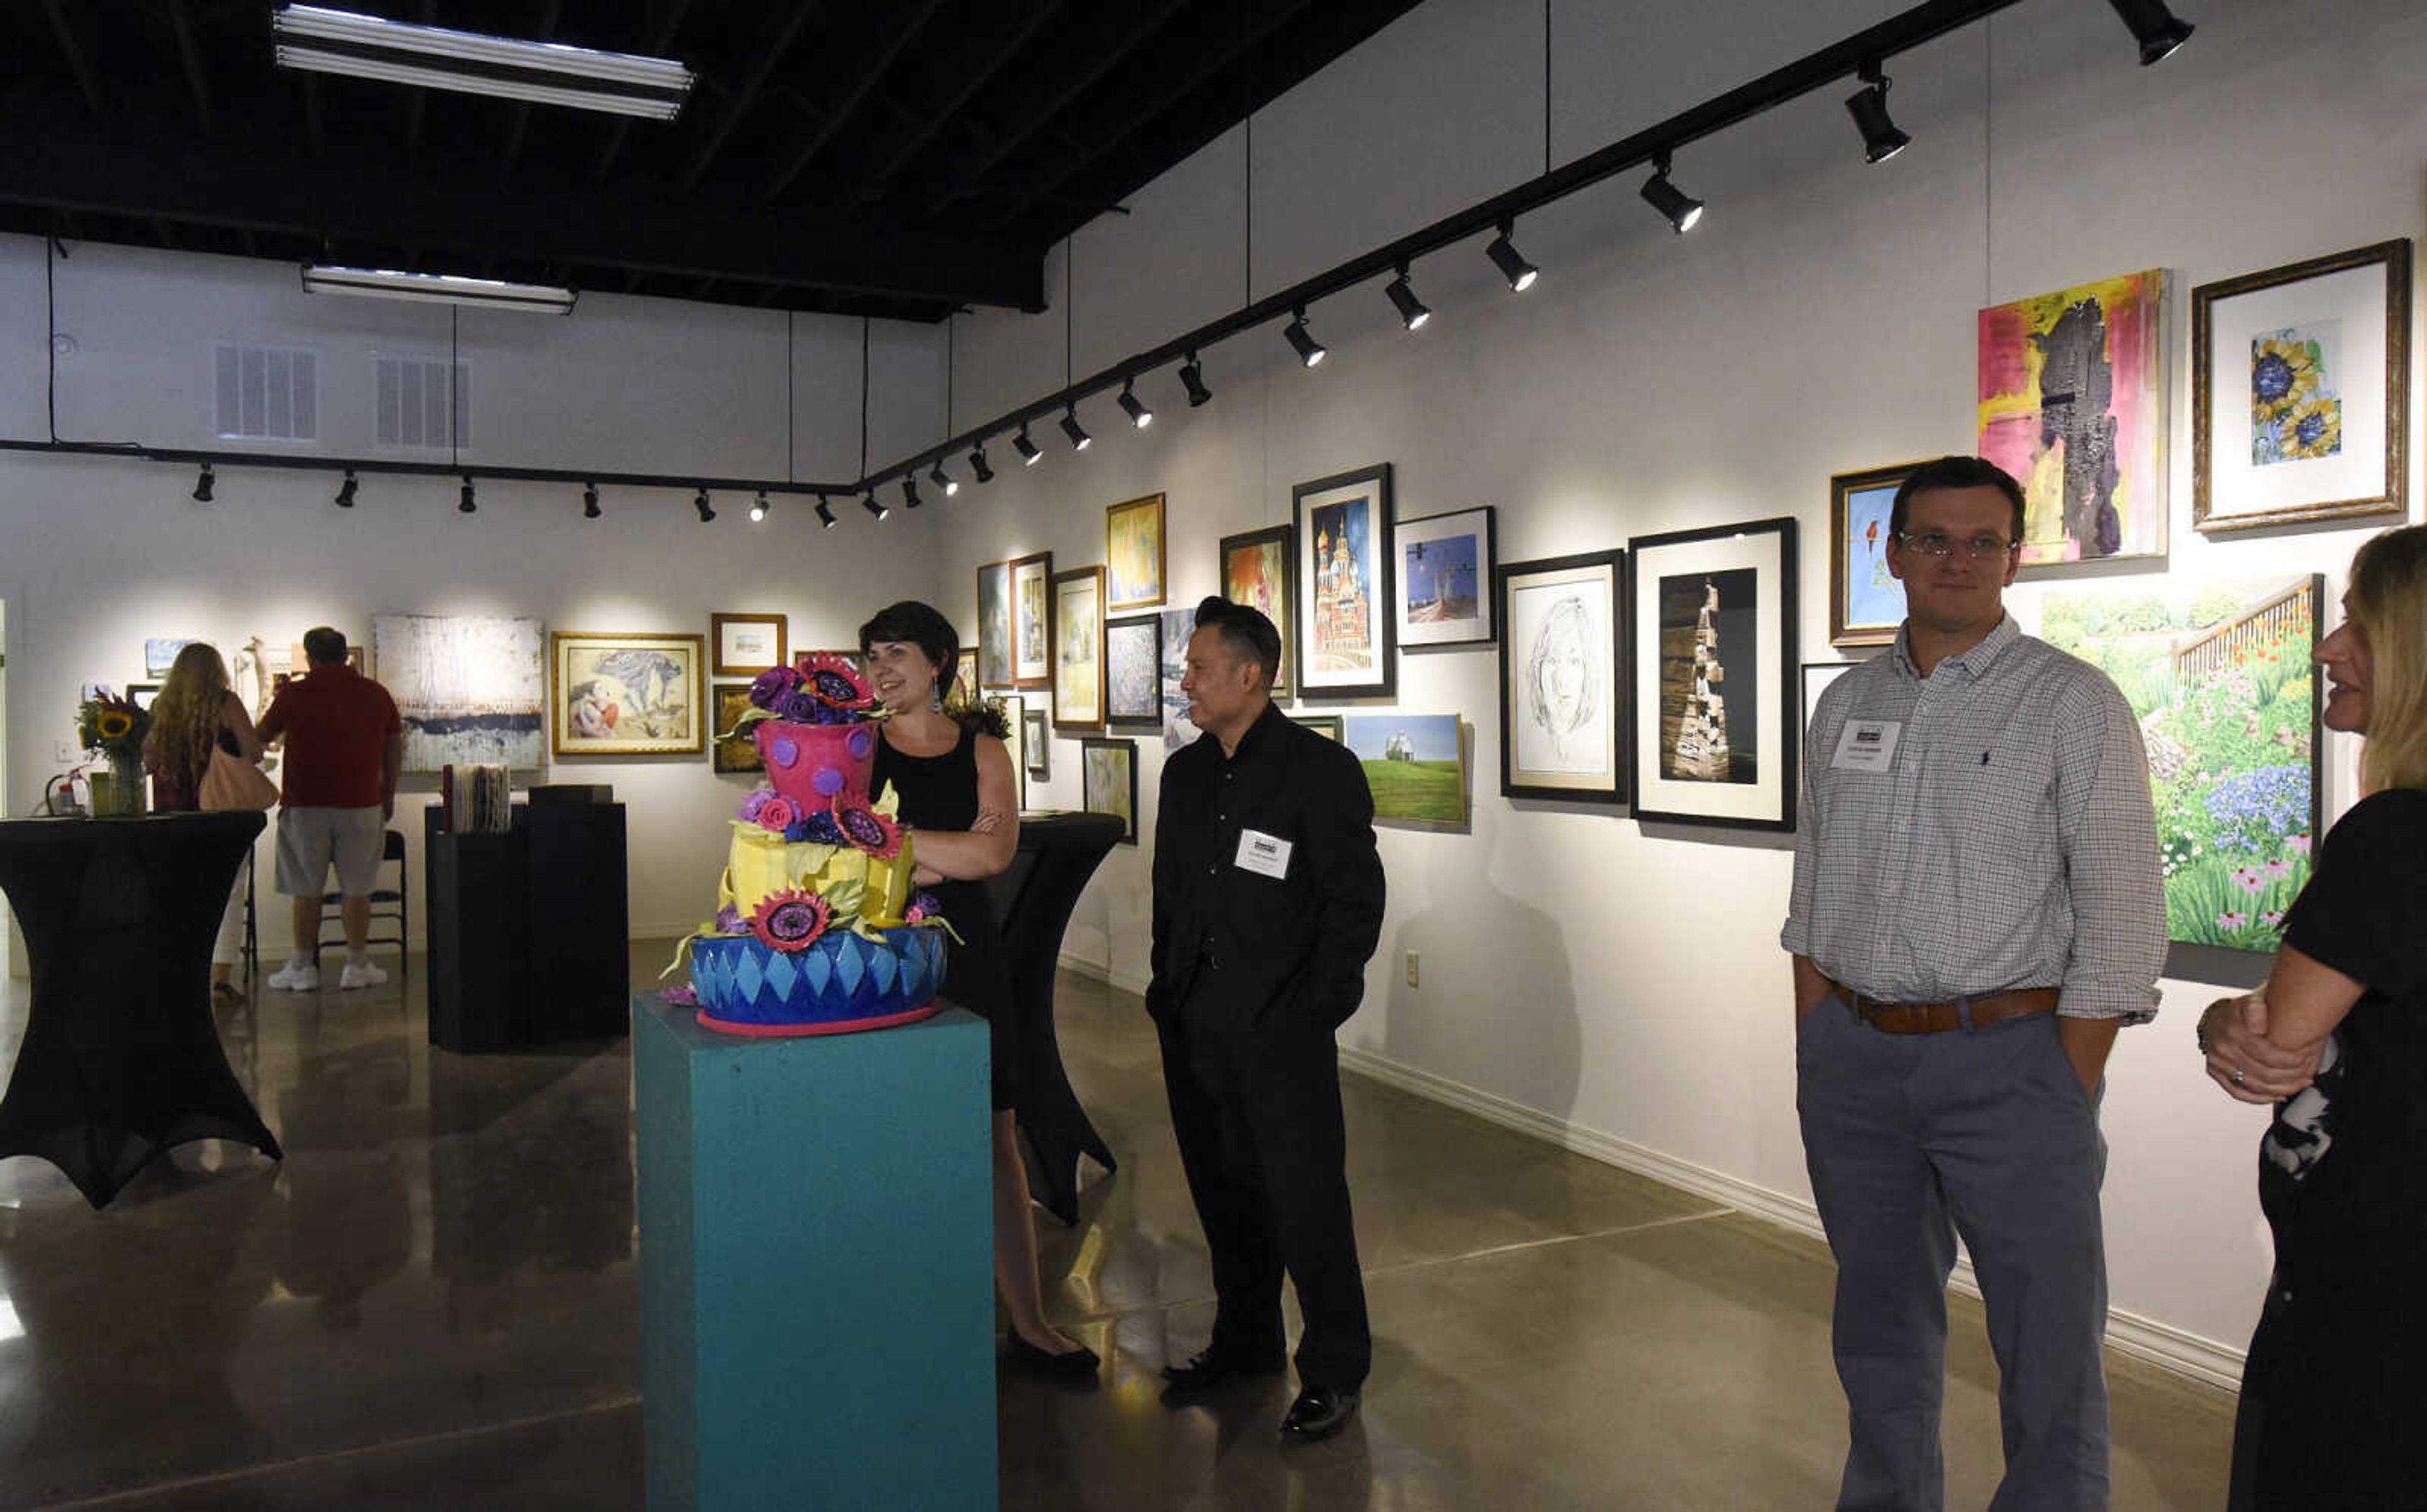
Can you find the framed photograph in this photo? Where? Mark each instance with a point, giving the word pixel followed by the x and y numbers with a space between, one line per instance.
pixel 1133 556
pixel 628 694
pixel 994 625
pixel 1415 765
pixel 746 645
pixel 470 689
pixel 1108 781
pixel 2300 392
pixel 1079 649
pixel 1445 564
pixel 1561 679
pixel 1014 739
pixel 1710 649
pixel 1037 743
pixel 1257 571
pixel 1178 626
pixel 1032 620
pixel 1818 676
pixel 1133 670
pixel 1866 600
pixel 729 752
pixel 1342 575
pixel 1327 725
pixel 2073 402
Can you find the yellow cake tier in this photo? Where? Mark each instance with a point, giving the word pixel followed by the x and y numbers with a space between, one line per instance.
pixel 762 862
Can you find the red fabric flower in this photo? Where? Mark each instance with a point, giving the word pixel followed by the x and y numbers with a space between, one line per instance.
pixel 835 681
pixel 790 921
pixel 868 829
pixel 776 814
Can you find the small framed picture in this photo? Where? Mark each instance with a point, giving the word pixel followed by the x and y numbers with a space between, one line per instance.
pixel 1866 600
pixel 1327 725
pixel 1014 738
pixel 1561 679
pixel 1445 564
pixel 1037 743
pixel 1133 670
pixel 628 694
pixel 1079 648
pixel 1256 571
pixel 1134 555
pixel 964 692
pixel 994 625
pixel 1710 650
pixel 141 693
pixel 731 752
pixel 1032 620
pixel 1345 578
pixel 1108 781
pixel 746 645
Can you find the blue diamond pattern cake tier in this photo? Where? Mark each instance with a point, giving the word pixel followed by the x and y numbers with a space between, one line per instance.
pixel 840 983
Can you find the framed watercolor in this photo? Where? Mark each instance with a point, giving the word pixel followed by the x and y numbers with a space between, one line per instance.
pixel 1134 555
pixel 2072 403
pixel 2301 390
pixel 1037 743
pixel 1133 670
pixel 1415 765
pixel 1445 564
pixel 1562 679
pixel 1108 781
pixel 1079 649
pixel 1327 725
pixel 1256 570
pixel 1014 709
pixel 746 645
pixel 994 625
pixel 1032 620
pixel 1179 624
pixel 731 752
pixel 1866 600
pixel 1342 573
pixel 627 694
pixel 1818 676
pixel 1710 650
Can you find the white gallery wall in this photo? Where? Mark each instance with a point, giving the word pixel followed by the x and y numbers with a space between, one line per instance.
pixel 1617 985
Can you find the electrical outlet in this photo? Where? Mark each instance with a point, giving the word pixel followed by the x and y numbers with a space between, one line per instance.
pixel 64 753
pixel 1412 968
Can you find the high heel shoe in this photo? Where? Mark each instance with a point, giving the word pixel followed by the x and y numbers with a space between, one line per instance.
pixel 1070 1365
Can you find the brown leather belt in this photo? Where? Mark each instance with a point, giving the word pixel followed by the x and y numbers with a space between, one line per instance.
pixel 1939 1017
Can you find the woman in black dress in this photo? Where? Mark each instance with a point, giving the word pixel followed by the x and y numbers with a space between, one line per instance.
pixel 2337 1040
pixel 954 776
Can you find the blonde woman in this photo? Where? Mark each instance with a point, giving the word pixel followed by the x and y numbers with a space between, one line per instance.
pixel 194 714
pixel 2337 1040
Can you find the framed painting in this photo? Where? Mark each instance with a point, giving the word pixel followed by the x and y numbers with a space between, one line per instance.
pixel 1561 678
pixel 1866 600
pixel 1327 725
pixel 746 645
pixel 1037 743
pixel 471 689
pixel 2301 392
pixel 1134 555
pixel 1342 575
pixel 729 752
pixel 1444 576
pixel 1133 670
pixel 1178 728
pixel 1014 709
pixel 1032 620
pixel 141 693
pixel 160 654
pixel 1415 764
pixel 1256 571
pixel 1079 649
pixel 628 694
pixel 994 625
pixel 964 692
pixel 1108 781
pixel 1710 649
pixel 2073 402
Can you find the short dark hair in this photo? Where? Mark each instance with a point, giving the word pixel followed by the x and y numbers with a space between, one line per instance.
pixel 323 645
pixel 1246 633
pixel 1956 472
pixel 920 625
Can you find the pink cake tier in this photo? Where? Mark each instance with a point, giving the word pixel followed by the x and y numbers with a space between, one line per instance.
pixel 814 764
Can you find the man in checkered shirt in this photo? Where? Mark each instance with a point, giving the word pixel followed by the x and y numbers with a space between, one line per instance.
pixel 1978 907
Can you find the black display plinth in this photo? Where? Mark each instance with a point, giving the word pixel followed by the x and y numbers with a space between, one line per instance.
pixel 527 928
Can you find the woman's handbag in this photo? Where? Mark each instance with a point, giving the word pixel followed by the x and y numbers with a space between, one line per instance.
pixel 233 782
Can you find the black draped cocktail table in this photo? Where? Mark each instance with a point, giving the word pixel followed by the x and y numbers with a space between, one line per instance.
pixel 122 1058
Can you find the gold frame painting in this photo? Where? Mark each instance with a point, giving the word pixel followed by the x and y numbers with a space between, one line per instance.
pixel 602 687
pixel 1133 554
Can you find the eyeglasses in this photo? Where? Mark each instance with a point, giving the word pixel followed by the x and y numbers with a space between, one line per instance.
pixel 1934 544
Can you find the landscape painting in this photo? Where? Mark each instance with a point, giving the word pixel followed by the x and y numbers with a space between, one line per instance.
pixel 1414 763
pixel 471 689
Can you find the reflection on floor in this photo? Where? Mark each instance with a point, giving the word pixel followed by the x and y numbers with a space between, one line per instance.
pixel 431 1304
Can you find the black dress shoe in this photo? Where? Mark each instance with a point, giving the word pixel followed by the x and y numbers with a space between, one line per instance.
pixel 1211 1367
pixel 1319 1412
pixel 1070 1365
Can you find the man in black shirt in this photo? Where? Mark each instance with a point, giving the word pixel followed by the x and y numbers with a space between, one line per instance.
pixel 1267 904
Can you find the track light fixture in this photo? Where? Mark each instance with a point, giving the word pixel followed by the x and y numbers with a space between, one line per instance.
pixel 1684 211
pixel 699 502
pixel 202 485
pixel 1192 378
pixel 871 506
pixel 979 467
pixel 1079 439
pixel 758 507
pixel 346 491
pixel 1301 340
pixel 1134 407
pixel 826 513
pixel 1030 453
pixel 910 491
pixel 2154 26
pixel 1506 257
pixel 465 504
pixel 1412 312
pixel 590 510
pixel 945 483
pixel 1868 105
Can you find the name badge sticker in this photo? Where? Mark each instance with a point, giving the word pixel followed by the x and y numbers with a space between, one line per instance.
pixel 1866 745
pixel 1266 855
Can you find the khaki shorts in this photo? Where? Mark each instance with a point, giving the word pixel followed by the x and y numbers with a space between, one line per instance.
pixel 311 839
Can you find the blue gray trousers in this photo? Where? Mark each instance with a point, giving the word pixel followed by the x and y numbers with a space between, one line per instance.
pixel 1911 1140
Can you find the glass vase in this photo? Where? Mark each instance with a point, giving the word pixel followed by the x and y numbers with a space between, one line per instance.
pixel 118 788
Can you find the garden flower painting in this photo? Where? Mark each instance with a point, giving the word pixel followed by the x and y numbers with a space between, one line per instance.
pixel 2296 413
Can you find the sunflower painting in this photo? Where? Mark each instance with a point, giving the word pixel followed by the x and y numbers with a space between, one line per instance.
pixel 2296 414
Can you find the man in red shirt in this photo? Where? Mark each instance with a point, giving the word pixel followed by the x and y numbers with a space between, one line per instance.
pixel 345 747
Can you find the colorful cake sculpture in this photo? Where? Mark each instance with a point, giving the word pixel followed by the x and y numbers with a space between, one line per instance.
pixel 817 929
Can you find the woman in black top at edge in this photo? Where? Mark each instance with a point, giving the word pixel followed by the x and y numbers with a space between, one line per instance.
pixel 2336 1039
pixel 954 776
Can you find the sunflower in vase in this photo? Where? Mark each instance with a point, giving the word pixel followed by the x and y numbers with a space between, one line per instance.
pixel 113 727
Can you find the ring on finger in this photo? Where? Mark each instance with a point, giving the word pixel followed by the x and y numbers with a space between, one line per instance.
pixel 2238 1077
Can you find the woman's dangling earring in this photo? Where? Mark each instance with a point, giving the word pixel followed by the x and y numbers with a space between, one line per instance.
pixel 936 695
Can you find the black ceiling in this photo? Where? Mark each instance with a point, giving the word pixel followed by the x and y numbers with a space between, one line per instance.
pixel 889 157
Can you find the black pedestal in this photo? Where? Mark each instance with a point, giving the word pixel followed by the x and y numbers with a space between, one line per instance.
pixel 526 930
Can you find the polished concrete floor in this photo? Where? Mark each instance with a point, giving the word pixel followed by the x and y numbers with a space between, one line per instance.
pixel 431 1303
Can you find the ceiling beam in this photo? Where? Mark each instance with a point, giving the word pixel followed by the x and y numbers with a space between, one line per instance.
pixel 77 63
pixel 896 37
pixel 193 57
pixel 769 55
pixel 982 56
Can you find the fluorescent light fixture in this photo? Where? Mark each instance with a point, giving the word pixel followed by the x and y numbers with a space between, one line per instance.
pixel 487 293
pixel 322 41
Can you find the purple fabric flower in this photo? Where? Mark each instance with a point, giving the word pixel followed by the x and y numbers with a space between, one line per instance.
pixel 728 921
pixel 924 905
pixel 681 996
pixel 772 684
pixel 819 826
pixel 752 805
pixel 800 706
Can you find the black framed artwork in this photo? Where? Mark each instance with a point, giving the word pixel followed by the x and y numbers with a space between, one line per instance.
pixel 1108 781
pixel 1562 677
pixel 1343 583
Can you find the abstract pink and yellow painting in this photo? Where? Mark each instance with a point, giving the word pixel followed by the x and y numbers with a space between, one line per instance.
pixel 2072 403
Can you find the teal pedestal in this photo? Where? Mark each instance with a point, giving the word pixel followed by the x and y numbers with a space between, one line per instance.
pixel 817 1266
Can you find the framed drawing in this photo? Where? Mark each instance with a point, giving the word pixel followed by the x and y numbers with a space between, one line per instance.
pixel 1079 649
pixel 628 694
pixel 1818 676
pixel 1037 743
pixel 1133 556
pixel 1015 740
pixel 1415 764
pixel 1327 725
pixel 1032 620
pixel 1255 571
pixel 2300 392
pixel 471 689
pixel 729 752
pixel 1866 600
pixel 994 625
pixel 1445 573
pixel 1710 643
pixel 2072 403
pixel 1108 781
pixel 1178 626
pixel 746 645
pixel 1342 575
pixel 1133 670
pixel 1561 678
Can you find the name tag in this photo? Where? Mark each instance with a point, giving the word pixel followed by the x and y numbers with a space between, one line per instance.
pixel 1866 745
pixel 1266 855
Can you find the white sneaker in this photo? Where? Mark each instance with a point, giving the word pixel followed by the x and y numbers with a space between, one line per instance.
pixel 302 974
pixel 359 974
